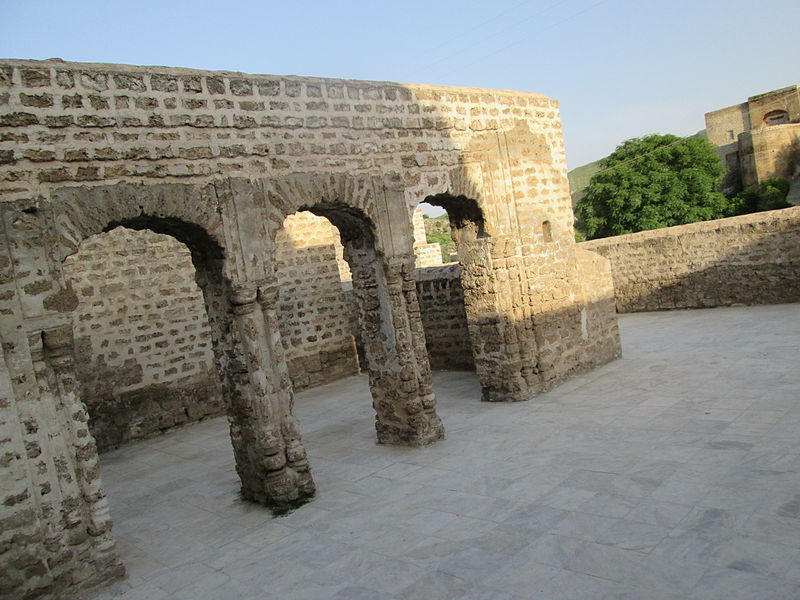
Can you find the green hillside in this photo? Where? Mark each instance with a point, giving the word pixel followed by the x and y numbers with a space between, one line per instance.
pixel 579 179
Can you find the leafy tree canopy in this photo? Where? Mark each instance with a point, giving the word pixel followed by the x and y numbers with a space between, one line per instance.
pixel 770 195
pixel 651 182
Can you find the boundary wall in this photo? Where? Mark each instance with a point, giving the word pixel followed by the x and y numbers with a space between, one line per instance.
pixel 750 259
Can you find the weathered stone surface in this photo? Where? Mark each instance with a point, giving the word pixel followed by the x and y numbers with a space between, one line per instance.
pixel 757 139
pixel 133 152
pixel 752 259
pixel 142 339
pixel 441 301
pixel 317 318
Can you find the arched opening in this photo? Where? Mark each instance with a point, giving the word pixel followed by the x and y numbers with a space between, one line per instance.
pixel 547 232
pixel 450 337
pixel 356 295
pixel 776 117
pixel 144 355
pixel 269 458
pixel 496 322
pixel 143 344
pixel 466 217
pixel 316 308
pixel 439 288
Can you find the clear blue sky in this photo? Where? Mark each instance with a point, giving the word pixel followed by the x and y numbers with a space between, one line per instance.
pixel 620 68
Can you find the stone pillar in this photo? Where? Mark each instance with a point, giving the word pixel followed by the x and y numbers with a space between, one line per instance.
pixel 394 345
pixel 84 510
pixel 270 458
pixel 281 390
pixel 499 319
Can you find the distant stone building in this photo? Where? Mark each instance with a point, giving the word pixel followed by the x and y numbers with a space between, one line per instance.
pixel 758 139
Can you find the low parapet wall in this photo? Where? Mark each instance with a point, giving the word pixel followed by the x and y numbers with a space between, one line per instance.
pixel 752 259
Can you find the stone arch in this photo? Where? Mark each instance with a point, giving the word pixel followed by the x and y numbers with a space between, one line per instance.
pixel 376 233
pixel 270 459
pixel 339 192
pixel 142 338
pixel 465 214
pixel 776 117
pixel 496 338
pixel 500 320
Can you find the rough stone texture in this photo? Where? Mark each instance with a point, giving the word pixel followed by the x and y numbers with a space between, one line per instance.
pixel 315 316
pixel 752 259
pixel 219 160
pixel 441 302
pixel 142 340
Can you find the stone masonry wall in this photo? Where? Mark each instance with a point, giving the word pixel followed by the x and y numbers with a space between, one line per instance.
pixel 73 125
pixel 81 123
pixel 220 159
pixel 315 316
pixel 142 338
pixel 441 302
pixel 752 259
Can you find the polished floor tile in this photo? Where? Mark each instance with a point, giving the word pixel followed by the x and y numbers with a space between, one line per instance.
pixel 671 473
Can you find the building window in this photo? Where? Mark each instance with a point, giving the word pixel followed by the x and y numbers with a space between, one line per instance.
pixel 731 135
pixel 776 117
pixel 547 232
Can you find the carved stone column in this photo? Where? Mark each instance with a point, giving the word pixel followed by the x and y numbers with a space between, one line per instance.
pixel 272 471
pixel 282 392
pixel 88 517
pixel 394 344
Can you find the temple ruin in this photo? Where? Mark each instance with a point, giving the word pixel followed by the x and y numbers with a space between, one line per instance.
pixel 228 312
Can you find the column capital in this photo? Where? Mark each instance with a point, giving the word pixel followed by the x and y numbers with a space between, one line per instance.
pixel 57 339
pixel 241 294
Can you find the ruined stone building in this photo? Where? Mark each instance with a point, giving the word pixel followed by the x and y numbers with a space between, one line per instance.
pixel 158 265
pixel 758 139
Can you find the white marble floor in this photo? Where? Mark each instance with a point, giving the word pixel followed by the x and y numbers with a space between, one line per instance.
pixel 673 473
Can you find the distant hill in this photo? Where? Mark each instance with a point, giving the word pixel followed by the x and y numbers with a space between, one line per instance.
pixel 579 177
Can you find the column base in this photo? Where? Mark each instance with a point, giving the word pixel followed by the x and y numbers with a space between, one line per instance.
pixel 282 491
pixel 425 431
pixel 505 396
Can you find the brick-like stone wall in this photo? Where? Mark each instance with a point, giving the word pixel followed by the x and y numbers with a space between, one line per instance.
pixel 752 259
pixel 315 315
pixel 754 147
pixel 770 152
pixel 142 340
pixel 441 301
pixel 219 160
pixel 70 122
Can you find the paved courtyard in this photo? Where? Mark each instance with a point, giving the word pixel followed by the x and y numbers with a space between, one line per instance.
pixel 672 473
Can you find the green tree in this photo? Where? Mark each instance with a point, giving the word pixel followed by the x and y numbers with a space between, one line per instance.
pixel 445 241
pixel 651 182
pixel 770 195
